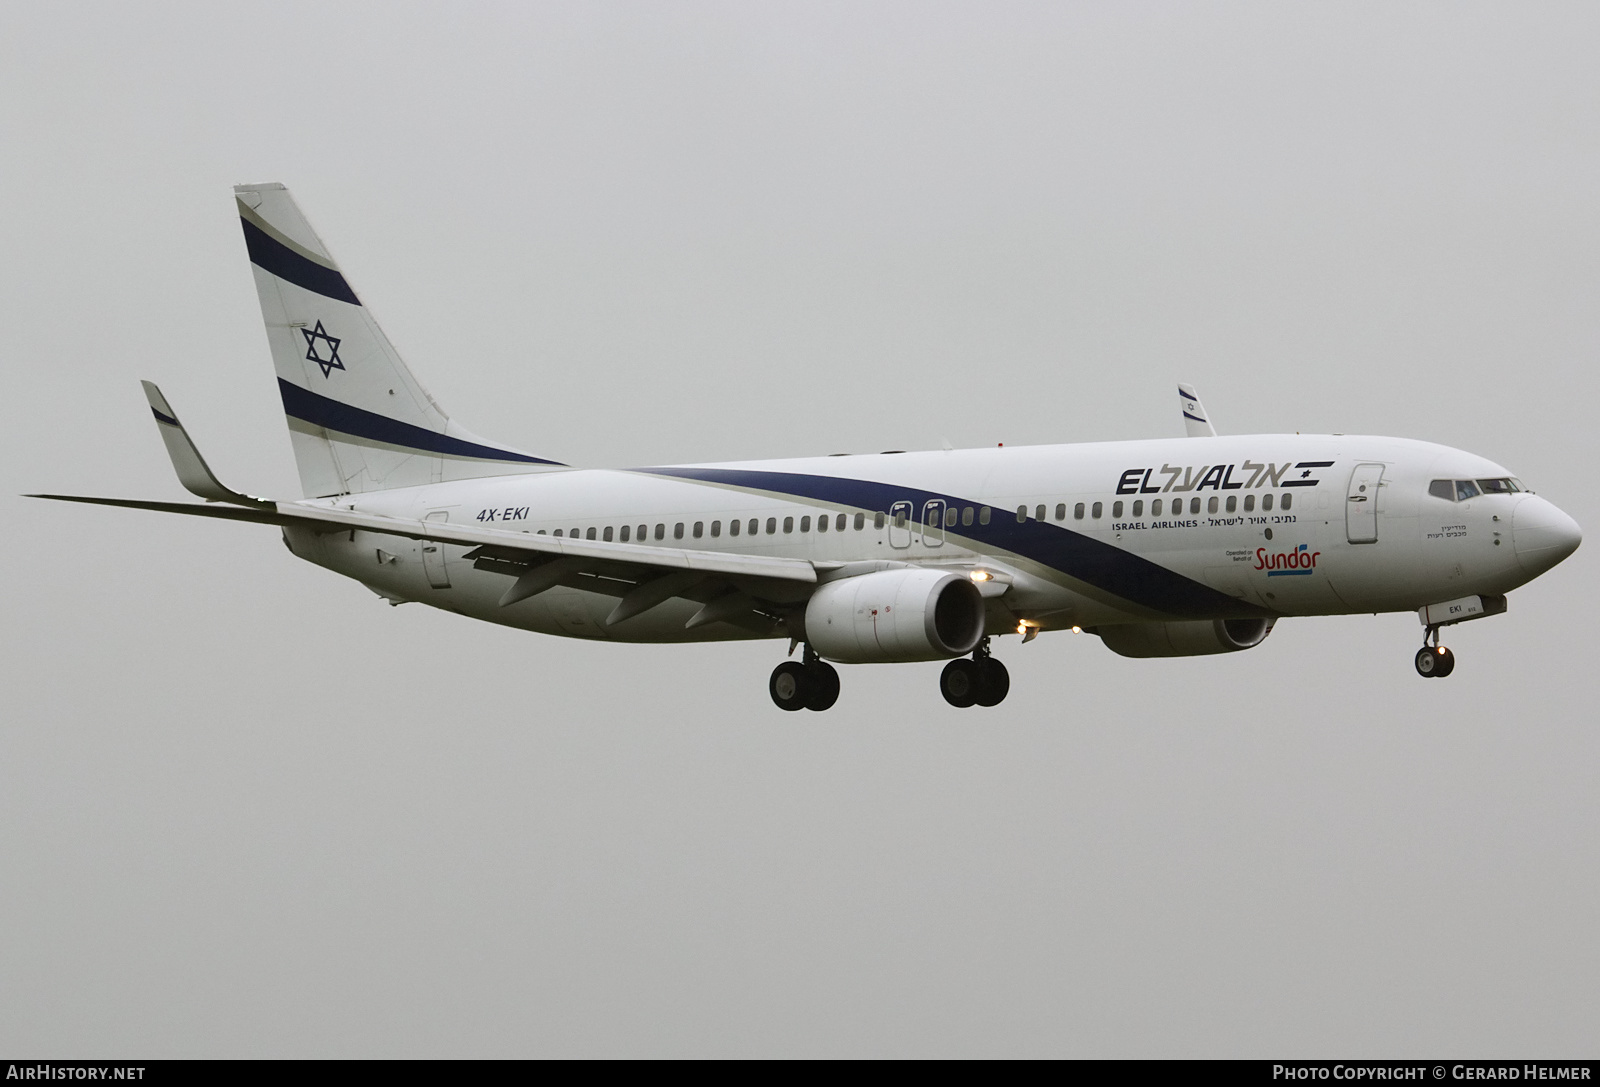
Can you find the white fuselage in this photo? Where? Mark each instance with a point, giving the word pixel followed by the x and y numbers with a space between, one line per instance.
pixel 1075 535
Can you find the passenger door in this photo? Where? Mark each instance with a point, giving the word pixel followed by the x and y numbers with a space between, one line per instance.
pixel 1361 504
pixel 433 554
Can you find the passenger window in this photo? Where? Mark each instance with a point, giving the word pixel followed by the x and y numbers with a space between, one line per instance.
pixel 877 519
pixel 699 529
pixel 1211 504
pixel 1061 511
pixel 677 531
pixel 805 524
pixel 1288 500
pixel 1443 488
pixel 772 525
pixel 644 532
pixel 966 515
pixel 626 531
pixel 1194 506
pixel 1138 507
pixel 542 532
pixel 1266 503
pixel 1233 502
pixel 949 516
pixel 661 532
pixel 1155 508
pixel 861 521
pixel 900 520
pixel 1465 489
pixel 733 527
pixel 1077 512
pixel 1249 502
pixel 754 526
pixel 716 529
pixel 589 535
pixel 1022 514
pixel 1116 510
pixel 822 523
pixel 557 532
pixel 838 523
pixel 606 535
pixel 788 525
pixel 1096 509
pixel 983 515
pixel 577 532
pixel 1038 513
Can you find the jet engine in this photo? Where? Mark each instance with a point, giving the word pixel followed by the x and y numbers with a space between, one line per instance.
pixel 895 615
pixel 1185 639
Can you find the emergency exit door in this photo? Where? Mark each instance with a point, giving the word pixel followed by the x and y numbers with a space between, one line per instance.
pixel 1361 504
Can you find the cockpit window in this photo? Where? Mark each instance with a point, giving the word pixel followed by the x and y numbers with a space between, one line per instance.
pixel 1459 490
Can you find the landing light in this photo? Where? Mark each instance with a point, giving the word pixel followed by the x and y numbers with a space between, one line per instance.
pixel 1077 630
pixel 1022 628
pixel 981 575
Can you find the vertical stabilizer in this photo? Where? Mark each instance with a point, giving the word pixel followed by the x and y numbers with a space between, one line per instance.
pixel 357 417
pixel 1196 423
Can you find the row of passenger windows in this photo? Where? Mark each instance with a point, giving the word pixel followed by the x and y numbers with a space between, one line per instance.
pixel 749 528
pixel 1459 490
pixel 965 515
pixel 1212 505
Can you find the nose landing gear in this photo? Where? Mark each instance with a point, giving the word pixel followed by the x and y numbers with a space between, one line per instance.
pixel 1434 661
pixel 981 681
pixel 810 683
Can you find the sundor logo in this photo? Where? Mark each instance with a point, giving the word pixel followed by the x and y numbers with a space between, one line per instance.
pixel 1301 561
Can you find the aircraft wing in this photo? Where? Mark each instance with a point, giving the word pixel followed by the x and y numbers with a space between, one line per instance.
pixel 502 543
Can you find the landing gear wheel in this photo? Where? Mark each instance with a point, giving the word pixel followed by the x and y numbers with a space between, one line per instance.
pixel 960 682
pixel 1435 662
pixel 788 685
pixel 821 685
pixel 994 682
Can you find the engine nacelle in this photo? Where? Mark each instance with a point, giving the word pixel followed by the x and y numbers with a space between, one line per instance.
pixel 1185 639
pixel 895 615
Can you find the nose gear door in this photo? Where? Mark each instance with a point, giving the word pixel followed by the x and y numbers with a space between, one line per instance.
pixel 1361 504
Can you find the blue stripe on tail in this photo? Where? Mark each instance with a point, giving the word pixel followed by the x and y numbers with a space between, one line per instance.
pixel 330 414
pixel 272 255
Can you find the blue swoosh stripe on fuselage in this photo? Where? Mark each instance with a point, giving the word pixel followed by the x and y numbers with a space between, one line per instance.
pixel 272 255
pixel 326 412
pixel 1111 569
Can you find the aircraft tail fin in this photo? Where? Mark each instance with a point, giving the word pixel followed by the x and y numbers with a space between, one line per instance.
pixel 1196 423
pixel 359 420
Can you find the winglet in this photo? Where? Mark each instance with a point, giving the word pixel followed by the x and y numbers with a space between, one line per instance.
pixel 1195 419
pixel 193 472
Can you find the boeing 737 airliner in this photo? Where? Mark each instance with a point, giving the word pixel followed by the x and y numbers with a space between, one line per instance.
pixel 1162 548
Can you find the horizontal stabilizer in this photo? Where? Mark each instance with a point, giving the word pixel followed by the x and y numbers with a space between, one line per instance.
pixel 193 471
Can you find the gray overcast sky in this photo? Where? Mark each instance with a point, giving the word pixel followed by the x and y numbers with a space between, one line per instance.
pixel 247 809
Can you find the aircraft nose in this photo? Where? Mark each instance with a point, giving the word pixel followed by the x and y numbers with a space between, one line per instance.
pixel 1542 535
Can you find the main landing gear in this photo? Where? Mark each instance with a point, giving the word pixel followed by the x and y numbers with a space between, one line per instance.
pixel 981 681
pixel 1434 661
pixel 807 684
